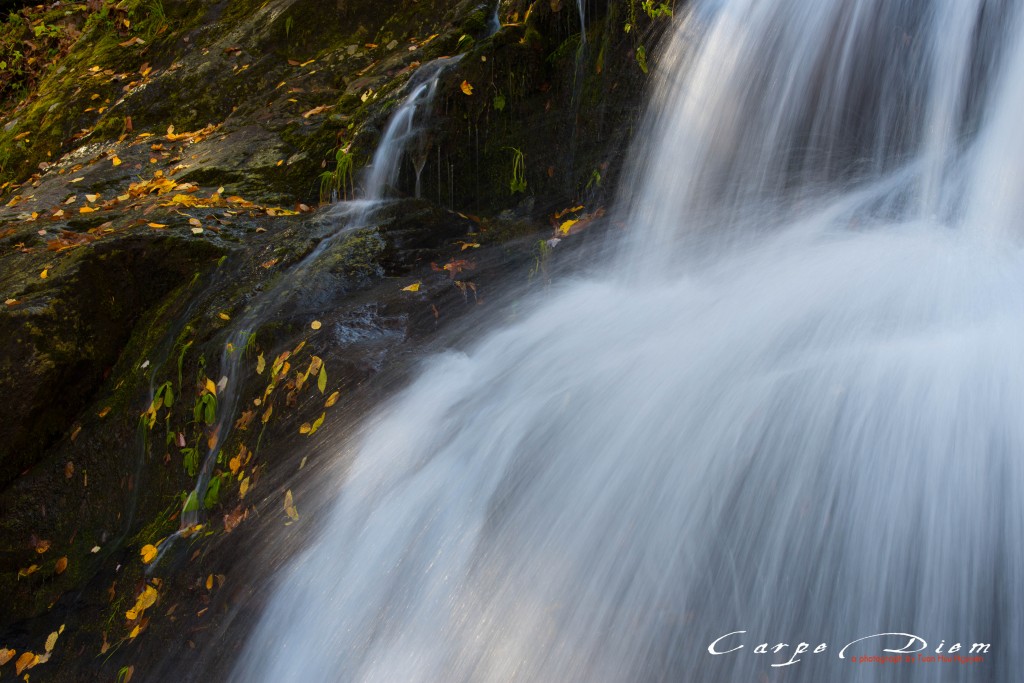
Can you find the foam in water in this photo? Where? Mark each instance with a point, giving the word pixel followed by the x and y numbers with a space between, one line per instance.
pixel 797 415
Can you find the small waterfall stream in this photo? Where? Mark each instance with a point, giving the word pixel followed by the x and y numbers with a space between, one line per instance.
pixel 790 413
pixel 407 134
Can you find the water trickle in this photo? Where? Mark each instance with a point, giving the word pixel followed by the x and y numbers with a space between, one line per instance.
pixel 408 132
pixel 797 415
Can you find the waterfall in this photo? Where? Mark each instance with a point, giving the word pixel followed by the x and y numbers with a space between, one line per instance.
pixel 790 413
pixel 406 132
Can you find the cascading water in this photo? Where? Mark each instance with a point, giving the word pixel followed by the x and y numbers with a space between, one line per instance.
pixel 800 424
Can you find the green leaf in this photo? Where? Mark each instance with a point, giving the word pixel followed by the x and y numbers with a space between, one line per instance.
pixel 499 102
pixel 191 461
pixel 191 503
pixel 641 58
pixel 168 395
pixel 321 380
pixel 212 493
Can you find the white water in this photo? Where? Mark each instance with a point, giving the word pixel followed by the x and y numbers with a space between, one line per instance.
pixel 407 132
pixel 797 412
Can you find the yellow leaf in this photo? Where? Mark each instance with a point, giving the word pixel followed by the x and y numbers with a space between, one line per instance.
pixel 304 428
pixel 61 566
pixel 103 413
pixel 210 386
pixel 157 226
pixel 289 506
pixel 117 162
pixel 317 424
pixel 26 661
pixel 209 582
pixel 564 227
pixel 315 324
pixel 234 464
pixel 243 488
pixel 224 316
pixel 414 287
pixel 42 547
pixel 51 641
pixel 135 633
pixel 332 399
pixel 266 416
pixel 261 364
pixel 92 197
pixel 6 655
pixel 86 209
pixel 45 274
pixel 321 380
pixel 145 600
pixel 28 571
pixel 466 88
pixel 148 553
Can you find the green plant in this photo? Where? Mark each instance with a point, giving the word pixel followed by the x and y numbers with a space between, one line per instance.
pixel 205 409
pixel 339 183
pixel 641 58
pixel 288 23
pixel 518 180
pixel 44 30
pixel 655 11
pixel 190 460
pixel 540 260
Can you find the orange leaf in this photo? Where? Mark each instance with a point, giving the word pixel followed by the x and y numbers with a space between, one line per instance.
pixel 466 88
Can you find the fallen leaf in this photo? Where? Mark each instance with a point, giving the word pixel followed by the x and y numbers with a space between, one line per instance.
pixel 26 661
pixel 332 399
pixel 103 413
pixel 321 380
pixel 243 488
pixel 51 641
pixel 466 88
pixel 61 566
pixel 6 655
pixel 317 423
pixel 69 467
pixel 145 600
pixel 210 386
pixel 45 274
pixel 315 324
pixel 289 506
pixel 261 363
pixel 224 316
pixel 42 547
pixel 157 226
pixel 92 197
pixel 209 582
pixel 116 161
pixel 148 553
pixel 414 287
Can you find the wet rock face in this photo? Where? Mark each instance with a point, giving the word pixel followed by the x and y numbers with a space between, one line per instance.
pixel 266 97
pixel 61 344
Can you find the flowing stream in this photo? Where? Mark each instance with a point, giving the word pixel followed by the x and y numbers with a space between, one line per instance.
pixel 792 408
